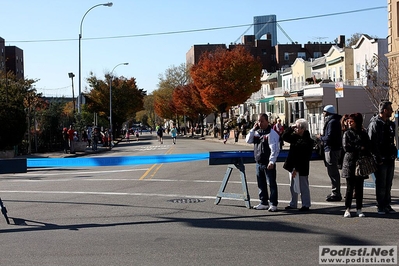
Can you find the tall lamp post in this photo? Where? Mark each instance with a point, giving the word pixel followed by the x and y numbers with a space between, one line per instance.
pixel 71 76
pixel 110 100
pixel 80 53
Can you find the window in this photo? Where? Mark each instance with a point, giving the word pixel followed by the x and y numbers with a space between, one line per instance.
pixel 281 107
pixel 316 54
pixel 286 56
pixel 264 52
pixel 340 74
pixel 357 71
pixel 302 55
pixel 397 19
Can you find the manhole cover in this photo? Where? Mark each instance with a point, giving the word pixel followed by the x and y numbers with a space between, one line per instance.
pixel 186 200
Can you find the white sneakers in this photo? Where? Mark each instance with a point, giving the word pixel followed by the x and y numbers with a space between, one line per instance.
pixel 270 208
pixel 260 206
pixel 359 213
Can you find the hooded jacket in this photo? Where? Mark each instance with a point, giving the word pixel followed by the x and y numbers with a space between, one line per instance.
pixel 332 134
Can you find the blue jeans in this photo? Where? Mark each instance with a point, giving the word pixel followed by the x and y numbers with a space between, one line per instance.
pixel 265 177
pixel 383 183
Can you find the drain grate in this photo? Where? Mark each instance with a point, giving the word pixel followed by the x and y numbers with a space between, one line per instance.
pixel 186 200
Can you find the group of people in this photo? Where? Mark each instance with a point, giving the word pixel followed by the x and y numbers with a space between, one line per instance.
pixel 344 141
pixel 90 135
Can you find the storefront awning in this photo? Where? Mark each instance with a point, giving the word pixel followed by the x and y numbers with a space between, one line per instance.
pixel 266 100
pixel 336 60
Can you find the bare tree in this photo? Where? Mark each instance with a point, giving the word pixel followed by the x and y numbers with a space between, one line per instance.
pixel 376 80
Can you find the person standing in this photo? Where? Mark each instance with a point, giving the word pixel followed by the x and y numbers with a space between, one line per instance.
pixel 226 135
pixel 65 138
pixel 279 128
pixel 297 163
pixel 96 138
pixel 355 143
pixel 332 143
pixel 173 133
pixel 236 134
pixel 266 150
pixel 89 135
pixel 71 132
pixel 160 134
pixel 381 131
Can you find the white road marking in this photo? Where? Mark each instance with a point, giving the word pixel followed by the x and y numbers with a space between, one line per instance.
pixel 158 195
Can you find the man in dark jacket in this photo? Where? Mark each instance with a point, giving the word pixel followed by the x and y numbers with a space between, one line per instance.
pixel 266 150
pixel 381 132
pixel 332 142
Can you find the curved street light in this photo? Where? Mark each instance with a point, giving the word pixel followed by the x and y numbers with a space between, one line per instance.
pixel 110 101
pixel 80 38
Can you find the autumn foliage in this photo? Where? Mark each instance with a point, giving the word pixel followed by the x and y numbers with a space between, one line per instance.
pixel 187 100
pixel 226 78
pixel 127 98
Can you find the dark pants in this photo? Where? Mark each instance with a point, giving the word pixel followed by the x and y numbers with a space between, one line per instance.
pixel 383 183
pixel 331 162
pixel 355 184
pixel 265 177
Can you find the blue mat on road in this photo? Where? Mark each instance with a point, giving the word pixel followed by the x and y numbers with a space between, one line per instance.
pixel 114 161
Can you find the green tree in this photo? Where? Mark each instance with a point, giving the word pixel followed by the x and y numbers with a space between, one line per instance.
pixel 127 98
pixel 149 109
pixel 13 92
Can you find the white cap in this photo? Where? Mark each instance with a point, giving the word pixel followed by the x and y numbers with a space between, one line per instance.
pixel 329 109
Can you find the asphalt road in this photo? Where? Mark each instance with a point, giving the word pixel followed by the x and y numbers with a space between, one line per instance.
pixel 165 214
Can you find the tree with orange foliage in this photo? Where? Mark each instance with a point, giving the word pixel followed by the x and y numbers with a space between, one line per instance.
pixel 187 101
pixel 226 77
pixel 127 98
pixel 163 103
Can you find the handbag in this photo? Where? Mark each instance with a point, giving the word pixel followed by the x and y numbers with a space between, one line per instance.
pixel 365 165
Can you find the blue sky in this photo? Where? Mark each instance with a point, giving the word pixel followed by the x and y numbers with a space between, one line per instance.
pixel 135 31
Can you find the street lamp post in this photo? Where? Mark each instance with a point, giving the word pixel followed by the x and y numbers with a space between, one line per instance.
pixel 80 53
pixel 71 75
pixel 110 101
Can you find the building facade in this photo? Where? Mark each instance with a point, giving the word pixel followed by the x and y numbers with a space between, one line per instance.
pixel 393 51
pixel 15 61
pixel 11 59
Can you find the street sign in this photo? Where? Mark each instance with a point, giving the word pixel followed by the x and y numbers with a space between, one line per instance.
pixel 339 89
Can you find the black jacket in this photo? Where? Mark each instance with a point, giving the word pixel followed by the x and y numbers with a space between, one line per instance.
pixel 332 133
pixel 301 148
pixel 352 143
pixel 382 136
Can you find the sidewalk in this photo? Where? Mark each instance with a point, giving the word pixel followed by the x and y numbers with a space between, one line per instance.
pixel 61 154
